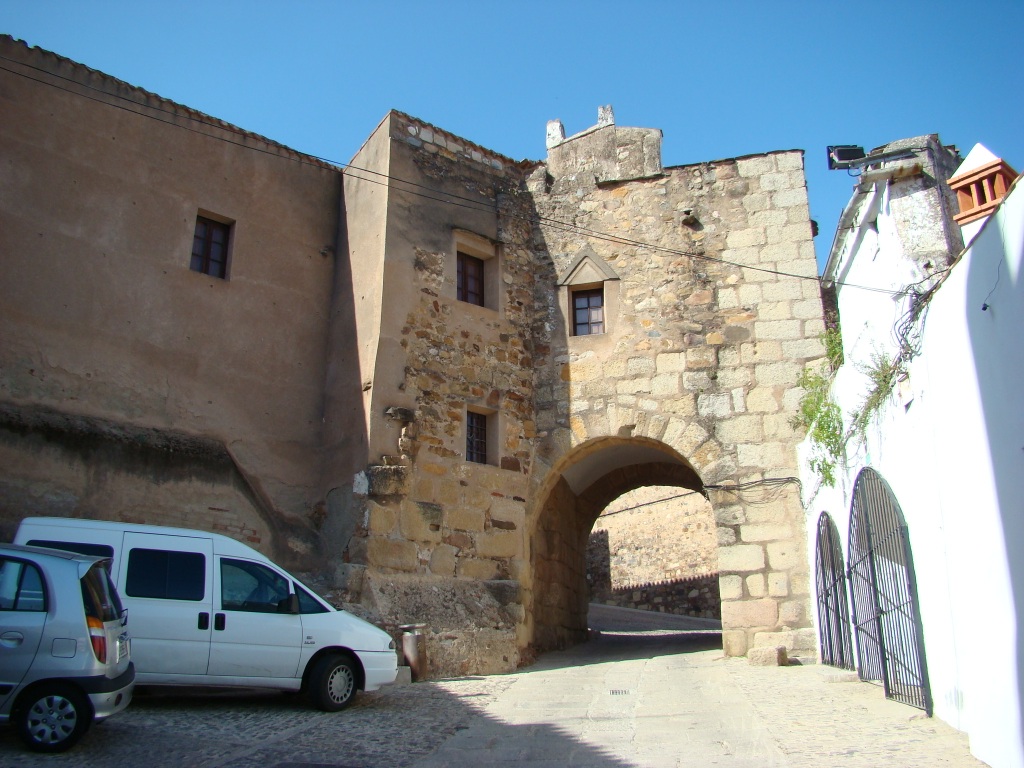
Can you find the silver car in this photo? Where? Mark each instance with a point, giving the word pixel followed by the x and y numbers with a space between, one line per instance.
pixel 65 657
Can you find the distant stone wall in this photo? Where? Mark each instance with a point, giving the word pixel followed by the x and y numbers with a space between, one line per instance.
pixel 697 596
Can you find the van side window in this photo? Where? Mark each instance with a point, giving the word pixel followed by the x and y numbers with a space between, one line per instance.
pixel 166 575
pixel 246 586
pixel 21 587
pixel 307 603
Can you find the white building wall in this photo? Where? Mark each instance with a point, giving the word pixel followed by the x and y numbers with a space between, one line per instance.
pixel 953 454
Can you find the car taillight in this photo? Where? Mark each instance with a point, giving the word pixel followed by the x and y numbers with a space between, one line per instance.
pixel 98 637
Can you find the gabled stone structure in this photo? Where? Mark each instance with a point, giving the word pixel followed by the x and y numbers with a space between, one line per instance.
pixel 322 392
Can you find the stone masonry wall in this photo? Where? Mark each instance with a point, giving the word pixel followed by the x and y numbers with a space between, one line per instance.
pixel 651 535
pixel 703 354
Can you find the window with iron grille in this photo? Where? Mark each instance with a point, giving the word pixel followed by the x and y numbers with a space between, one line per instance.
pixel 210 247
pixel 476 437
pixel 588 312
pixel 471 279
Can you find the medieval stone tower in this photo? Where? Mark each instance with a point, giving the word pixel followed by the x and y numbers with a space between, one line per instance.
pixel 636 325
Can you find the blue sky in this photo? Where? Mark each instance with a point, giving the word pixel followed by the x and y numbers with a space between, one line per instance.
pixel 721 79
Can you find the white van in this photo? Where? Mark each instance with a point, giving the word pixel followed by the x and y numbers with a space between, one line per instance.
pixel 208 610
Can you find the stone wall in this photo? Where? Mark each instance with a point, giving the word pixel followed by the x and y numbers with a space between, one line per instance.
pixel 712 313
pixel 697 596
pixel 651 535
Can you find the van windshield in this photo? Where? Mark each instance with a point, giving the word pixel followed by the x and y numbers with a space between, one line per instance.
pixel 99 597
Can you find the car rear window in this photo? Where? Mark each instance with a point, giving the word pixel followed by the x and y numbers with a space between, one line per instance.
pixel 99 596
pixel 166 574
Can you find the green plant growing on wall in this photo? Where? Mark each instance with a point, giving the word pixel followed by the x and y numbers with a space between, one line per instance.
pixel 883 372
pixel 820 415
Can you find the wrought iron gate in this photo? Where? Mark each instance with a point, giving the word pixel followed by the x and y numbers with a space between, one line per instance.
pixel 833 609
pixel 886 617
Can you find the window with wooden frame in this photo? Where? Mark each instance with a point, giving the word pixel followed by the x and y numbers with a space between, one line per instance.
pixel 471 279
pixel 587 311
pixel 476 437
pixel 210 245
pixel 478 270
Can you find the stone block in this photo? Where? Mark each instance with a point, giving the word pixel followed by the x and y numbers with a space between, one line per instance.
pixel 763 455
pixel 639 366
pixel 792 613
pixel 755 585
pixel 382 519
pixel 749 295
pixel 771 656
pixel 779 329
pixel 730 515
pixel 734 642
pixel 443 560
pixel 757 202
pixel 789 161
pixel 730 587
pixel 387 480
pixel 462 519
pixel 784 555
pixel 714 406
pixel 806 349
pixel 666 384
pixel 417 526
pixel 749 613
pixel 700 357
pixel 740 429
pixel 765 532
pixel 755 166
pixel 745 238
pixel 392 553
pixel 774 310
pixel 783 290
pixel 740 557
pixel 474 568
pixel 499 544
pixel 671 362
pixel 777 374
pixel 773 217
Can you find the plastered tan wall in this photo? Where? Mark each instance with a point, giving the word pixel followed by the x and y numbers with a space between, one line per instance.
pixel 101 314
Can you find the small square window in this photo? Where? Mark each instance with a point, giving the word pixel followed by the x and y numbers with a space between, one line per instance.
pixel 471 279
pixel 476 437
pixel 210 247
pixel 587 312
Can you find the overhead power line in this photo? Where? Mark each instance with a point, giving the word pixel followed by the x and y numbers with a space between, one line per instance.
pixel 383 179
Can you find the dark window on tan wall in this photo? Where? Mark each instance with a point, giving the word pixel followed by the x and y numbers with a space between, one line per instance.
pixel 471 279
pixel 476 437
pixel 587 312
pixel 210 247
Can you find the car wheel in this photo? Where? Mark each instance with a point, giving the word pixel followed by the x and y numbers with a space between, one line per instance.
pixel 53 718
pixel 332 683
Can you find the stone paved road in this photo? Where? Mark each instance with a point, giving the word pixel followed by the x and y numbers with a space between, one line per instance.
pixel 658 698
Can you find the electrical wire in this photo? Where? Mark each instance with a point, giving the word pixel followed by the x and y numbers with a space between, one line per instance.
pixel 773 487
pixel 384 179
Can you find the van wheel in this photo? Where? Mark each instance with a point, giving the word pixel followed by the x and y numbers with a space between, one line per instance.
pixel 53 717
pixel 332 683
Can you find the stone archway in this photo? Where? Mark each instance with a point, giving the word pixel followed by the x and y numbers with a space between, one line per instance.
pixel 576 491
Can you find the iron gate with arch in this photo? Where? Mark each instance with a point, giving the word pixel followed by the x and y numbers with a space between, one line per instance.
pixel 886 616
pixel 833 608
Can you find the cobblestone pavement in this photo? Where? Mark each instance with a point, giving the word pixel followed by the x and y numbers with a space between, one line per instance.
pixel 656 698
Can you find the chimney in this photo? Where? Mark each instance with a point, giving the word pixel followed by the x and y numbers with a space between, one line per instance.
pixel 981 189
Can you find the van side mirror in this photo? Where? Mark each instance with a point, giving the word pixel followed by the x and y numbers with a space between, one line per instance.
pixel 289 604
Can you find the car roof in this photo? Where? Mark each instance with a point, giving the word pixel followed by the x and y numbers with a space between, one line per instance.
pixel 54 554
